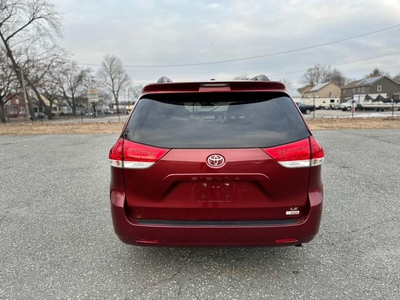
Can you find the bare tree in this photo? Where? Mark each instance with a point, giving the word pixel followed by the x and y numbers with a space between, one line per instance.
pixel 113 76
pixel 313 75
pixel 8 83
pixel 320 74
pixel 241 77
pixel 26 25
pixel 287 82
pixel 36 66
pixel 50 87
pixel 50 90
pixel 71 81
pixel 104 95
pixel 134 92
pixel 335 76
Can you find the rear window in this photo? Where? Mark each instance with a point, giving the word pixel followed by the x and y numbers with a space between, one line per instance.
pixel 220 120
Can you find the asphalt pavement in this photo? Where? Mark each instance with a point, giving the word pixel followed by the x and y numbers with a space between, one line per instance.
pixel 57 241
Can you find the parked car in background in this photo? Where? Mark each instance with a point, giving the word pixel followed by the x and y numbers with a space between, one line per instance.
pixel 336 106
pixel 305 108
pixel 348 105
pixel 216 164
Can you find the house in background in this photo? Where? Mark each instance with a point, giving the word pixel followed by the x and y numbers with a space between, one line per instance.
pixel 15 107
pixel 381 85
pixel 304 89
pixel 348 91
pixel 323 90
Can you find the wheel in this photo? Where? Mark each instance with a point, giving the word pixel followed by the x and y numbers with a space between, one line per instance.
pixel 308 111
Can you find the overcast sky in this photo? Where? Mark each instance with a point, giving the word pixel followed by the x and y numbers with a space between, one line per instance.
pixel 173 32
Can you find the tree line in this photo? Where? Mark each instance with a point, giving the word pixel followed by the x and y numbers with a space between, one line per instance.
pixel 30 57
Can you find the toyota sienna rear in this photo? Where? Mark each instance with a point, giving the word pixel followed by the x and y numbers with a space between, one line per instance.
pixel 216 164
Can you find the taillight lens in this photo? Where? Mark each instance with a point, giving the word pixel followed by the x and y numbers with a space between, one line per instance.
pixel 298 154
pixel 115 155
pixel 317 153
pixel 138 156
pixel 130 155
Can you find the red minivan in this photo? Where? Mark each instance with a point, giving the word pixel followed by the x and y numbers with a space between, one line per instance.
pixel 216 164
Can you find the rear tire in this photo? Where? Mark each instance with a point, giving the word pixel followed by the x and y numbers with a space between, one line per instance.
pixel 308 111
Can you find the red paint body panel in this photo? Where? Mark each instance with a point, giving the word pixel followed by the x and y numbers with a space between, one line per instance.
pixel 304 230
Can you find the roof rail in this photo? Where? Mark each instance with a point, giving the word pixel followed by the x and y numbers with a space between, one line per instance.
pixel 164 79
pixel 261 77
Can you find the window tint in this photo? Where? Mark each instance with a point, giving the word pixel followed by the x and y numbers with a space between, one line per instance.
pixel 223 120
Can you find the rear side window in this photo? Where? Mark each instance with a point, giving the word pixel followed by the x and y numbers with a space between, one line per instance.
pixel 220 120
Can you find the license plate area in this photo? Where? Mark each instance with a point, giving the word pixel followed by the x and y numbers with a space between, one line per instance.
pixel 214 191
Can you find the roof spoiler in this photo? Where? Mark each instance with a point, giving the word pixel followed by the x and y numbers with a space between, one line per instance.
pixel 260 77
pixel 164 79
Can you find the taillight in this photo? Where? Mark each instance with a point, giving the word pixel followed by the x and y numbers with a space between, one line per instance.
pixel 130 155
pixel 298 154
pixel 115 155
pixel 317 153
pixel 138 156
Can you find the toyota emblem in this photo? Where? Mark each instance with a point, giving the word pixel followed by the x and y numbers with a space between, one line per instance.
pixel 215 161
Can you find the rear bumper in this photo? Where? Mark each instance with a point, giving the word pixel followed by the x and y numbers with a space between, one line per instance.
pixel 146 233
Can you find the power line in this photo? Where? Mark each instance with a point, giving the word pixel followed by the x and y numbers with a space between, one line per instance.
pixel 254 57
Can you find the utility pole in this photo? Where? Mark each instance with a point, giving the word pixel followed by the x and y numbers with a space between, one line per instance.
pixel 24 93
pixel 313 96
pixel 392 98
pixel 92 95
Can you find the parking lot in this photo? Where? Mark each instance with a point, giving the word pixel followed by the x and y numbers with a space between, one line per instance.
pixel 57 240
